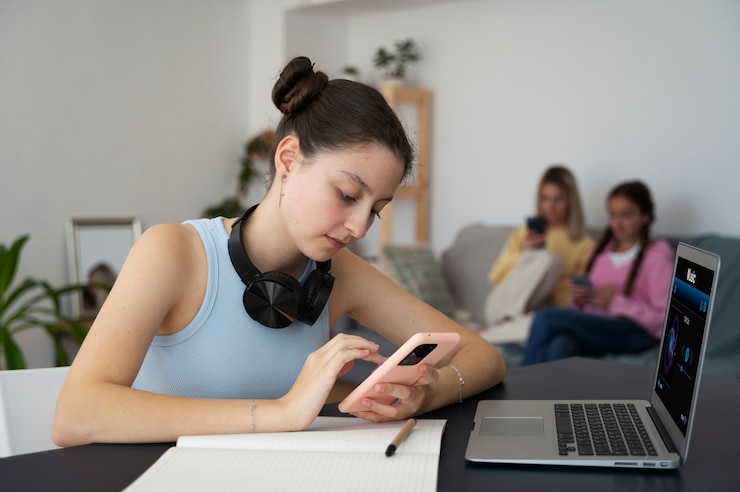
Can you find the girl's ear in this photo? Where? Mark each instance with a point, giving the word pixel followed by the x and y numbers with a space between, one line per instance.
pixel 647 219
pixel 286 154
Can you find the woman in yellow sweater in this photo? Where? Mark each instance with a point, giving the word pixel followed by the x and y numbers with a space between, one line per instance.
pixel 534 267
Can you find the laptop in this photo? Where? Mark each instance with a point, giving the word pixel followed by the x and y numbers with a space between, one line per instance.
pixel 655 432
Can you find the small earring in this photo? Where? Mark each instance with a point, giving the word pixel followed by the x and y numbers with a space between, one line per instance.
pixel 282 182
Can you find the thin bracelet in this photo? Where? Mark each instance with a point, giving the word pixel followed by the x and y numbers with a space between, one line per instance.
pixel 462 382
pixel 251 417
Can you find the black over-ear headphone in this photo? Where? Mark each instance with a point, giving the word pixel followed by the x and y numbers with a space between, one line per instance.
pixel 276 299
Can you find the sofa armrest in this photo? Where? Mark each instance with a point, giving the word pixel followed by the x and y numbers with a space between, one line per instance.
pixel 468 260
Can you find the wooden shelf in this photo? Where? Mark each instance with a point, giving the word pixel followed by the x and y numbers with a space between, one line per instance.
pixel 418 190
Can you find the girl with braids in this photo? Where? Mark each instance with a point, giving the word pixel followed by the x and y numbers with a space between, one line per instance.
pixel 622 309
pixel 196 336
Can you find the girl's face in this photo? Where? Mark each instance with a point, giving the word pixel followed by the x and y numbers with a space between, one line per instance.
pixel 332 200
pixel 626 220
pixel 553 204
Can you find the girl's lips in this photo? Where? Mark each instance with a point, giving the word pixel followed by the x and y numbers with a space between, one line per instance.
pixel 335 243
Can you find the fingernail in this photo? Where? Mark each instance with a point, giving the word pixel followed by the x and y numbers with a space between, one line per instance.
pixel 365 403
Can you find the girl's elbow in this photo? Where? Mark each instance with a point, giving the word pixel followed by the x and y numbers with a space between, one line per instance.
pixel 67 430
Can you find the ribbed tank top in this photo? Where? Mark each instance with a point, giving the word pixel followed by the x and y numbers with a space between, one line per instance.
pixel 223 352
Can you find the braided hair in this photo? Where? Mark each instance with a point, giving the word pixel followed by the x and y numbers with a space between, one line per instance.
pixel 639 194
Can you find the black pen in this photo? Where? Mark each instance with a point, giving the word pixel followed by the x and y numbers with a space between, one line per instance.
pixel 402 434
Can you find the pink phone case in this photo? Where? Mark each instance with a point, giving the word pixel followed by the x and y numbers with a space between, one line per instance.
pixel 391 371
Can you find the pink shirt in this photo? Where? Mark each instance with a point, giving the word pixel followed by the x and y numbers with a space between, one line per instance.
pixel 646 304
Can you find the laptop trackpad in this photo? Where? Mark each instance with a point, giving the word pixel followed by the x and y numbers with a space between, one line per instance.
pixel 512 426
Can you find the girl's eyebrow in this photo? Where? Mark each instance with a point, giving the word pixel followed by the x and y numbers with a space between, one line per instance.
pixel 363 184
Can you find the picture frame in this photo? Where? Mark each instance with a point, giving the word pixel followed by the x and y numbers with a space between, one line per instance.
pixel 97 248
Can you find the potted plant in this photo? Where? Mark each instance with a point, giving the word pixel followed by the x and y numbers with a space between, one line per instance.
pixel 256 148
pixel 351 72
pixel 31 304
pixel 394 64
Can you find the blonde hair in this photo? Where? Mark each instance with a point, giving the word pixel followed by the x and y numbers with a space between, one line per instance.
pixel 561 177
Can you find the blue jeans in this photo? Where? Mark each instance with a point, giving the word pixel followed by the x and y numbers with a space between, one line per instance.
pixel 557 333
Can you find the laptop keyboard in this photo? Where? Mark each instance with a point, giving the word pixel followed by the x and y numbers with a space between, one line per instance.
pixel 601 429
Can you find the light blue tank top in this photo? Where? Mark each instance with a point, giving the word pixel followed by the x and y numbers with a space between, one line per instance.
pixel 223 352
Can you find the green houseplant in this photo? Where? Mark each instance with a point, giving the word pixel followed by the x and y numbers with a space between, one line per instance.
pixel 257 147
pixel 351 72
pixel 395 63
pixel 32 303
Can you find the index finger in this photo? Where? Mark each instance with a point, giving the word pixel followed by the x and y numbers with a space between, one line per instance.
pixel 375 357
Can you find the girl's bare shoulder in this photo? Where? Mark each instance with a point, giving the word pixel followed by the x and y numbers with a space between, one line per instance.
pixel 168 244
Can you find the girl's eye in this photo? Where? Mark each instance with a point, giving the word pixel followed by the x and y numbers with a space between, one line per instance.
pixel 346 197
pixel 350 199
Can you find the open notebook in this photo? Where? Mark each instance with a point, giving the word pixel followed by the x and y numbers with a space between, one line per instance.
pixel 334 453
pixel 626 433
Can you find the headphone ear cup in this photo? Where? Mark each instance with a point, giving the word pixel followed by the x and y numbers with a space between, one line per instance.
pixel 275 299
pixel 318 287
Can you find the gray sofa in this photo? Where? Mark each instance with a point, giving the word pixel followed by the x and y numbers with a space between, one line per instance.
pixel 465 265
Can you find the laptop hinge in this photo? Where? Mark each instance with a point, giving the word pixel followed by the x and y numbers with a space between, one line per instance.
pixel 661 430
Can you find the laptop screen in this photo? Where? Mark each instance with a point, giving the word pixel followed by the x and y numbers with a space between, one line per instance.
pixel 678 368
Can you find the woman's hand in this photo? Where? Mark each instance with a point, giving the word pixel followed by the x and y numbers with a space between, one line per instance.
pixel 533 240
pixel 602 296
pixel 580 293
pixel 320 371
pixel 408 399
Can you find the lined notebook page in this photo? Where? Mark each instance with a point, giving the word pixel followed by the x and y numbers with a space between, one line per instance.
pixel 346 434
pixel 336 453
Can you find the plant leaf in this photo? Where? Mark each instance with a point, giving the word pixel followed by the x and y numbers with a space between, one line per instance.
pixel 14 358
pixel 30 304
pixel 9 263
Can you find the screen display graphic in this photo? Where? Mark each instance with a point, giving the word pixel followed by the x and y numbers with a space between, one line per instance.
pixel 683 337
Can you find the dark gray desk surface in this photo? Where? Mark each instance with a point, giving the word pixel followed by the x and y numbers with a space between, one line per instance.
pixel 713 463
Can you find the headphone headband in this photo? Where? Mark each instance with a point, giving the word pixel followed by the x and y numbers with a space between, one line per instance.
pixel 275 299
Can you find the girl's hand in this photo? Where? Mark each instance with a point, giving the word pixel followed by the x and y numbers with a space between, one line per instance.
pixel 320 371
pixel 580 293
pixel 533 240
pixel 408 399
pixel 602 296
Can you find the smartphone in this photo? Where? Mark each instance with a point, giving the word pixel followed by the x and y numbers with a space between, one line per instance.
pixel 581 280
pixel 536 224
pixel 401 367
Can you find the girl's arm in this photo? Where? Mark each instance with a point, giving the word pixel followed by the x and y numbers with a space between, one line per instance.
pixel 159 290
pixel 371 298
pixel 508 257
pixel 647 304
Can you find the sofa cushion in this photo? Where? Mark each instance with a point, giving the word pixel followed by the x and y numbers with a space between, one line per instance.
pixel 468 260
pixel 416 269
pixel 723 346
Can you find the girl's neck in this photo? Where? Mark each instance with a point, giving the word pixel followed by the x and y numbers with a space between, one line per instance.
pixel 268 246
pixel 625 245
pixel 561 224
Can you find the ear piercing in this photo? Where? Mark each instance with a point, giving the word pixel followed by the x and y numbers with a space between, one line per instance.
pixel 282 182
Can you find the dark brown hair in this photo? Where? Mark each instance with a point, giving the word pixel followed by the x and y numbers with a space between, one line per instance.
pixel 335 114
pixel 639 194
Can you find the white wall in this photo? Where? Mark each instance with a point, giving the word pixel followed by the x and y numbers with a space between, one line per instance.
pixel 615 89
pixel 116 108
pixel 137 107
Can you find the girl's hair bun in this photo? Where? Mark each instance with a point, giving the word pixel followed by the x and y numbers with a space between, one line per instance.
pixel 297 86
